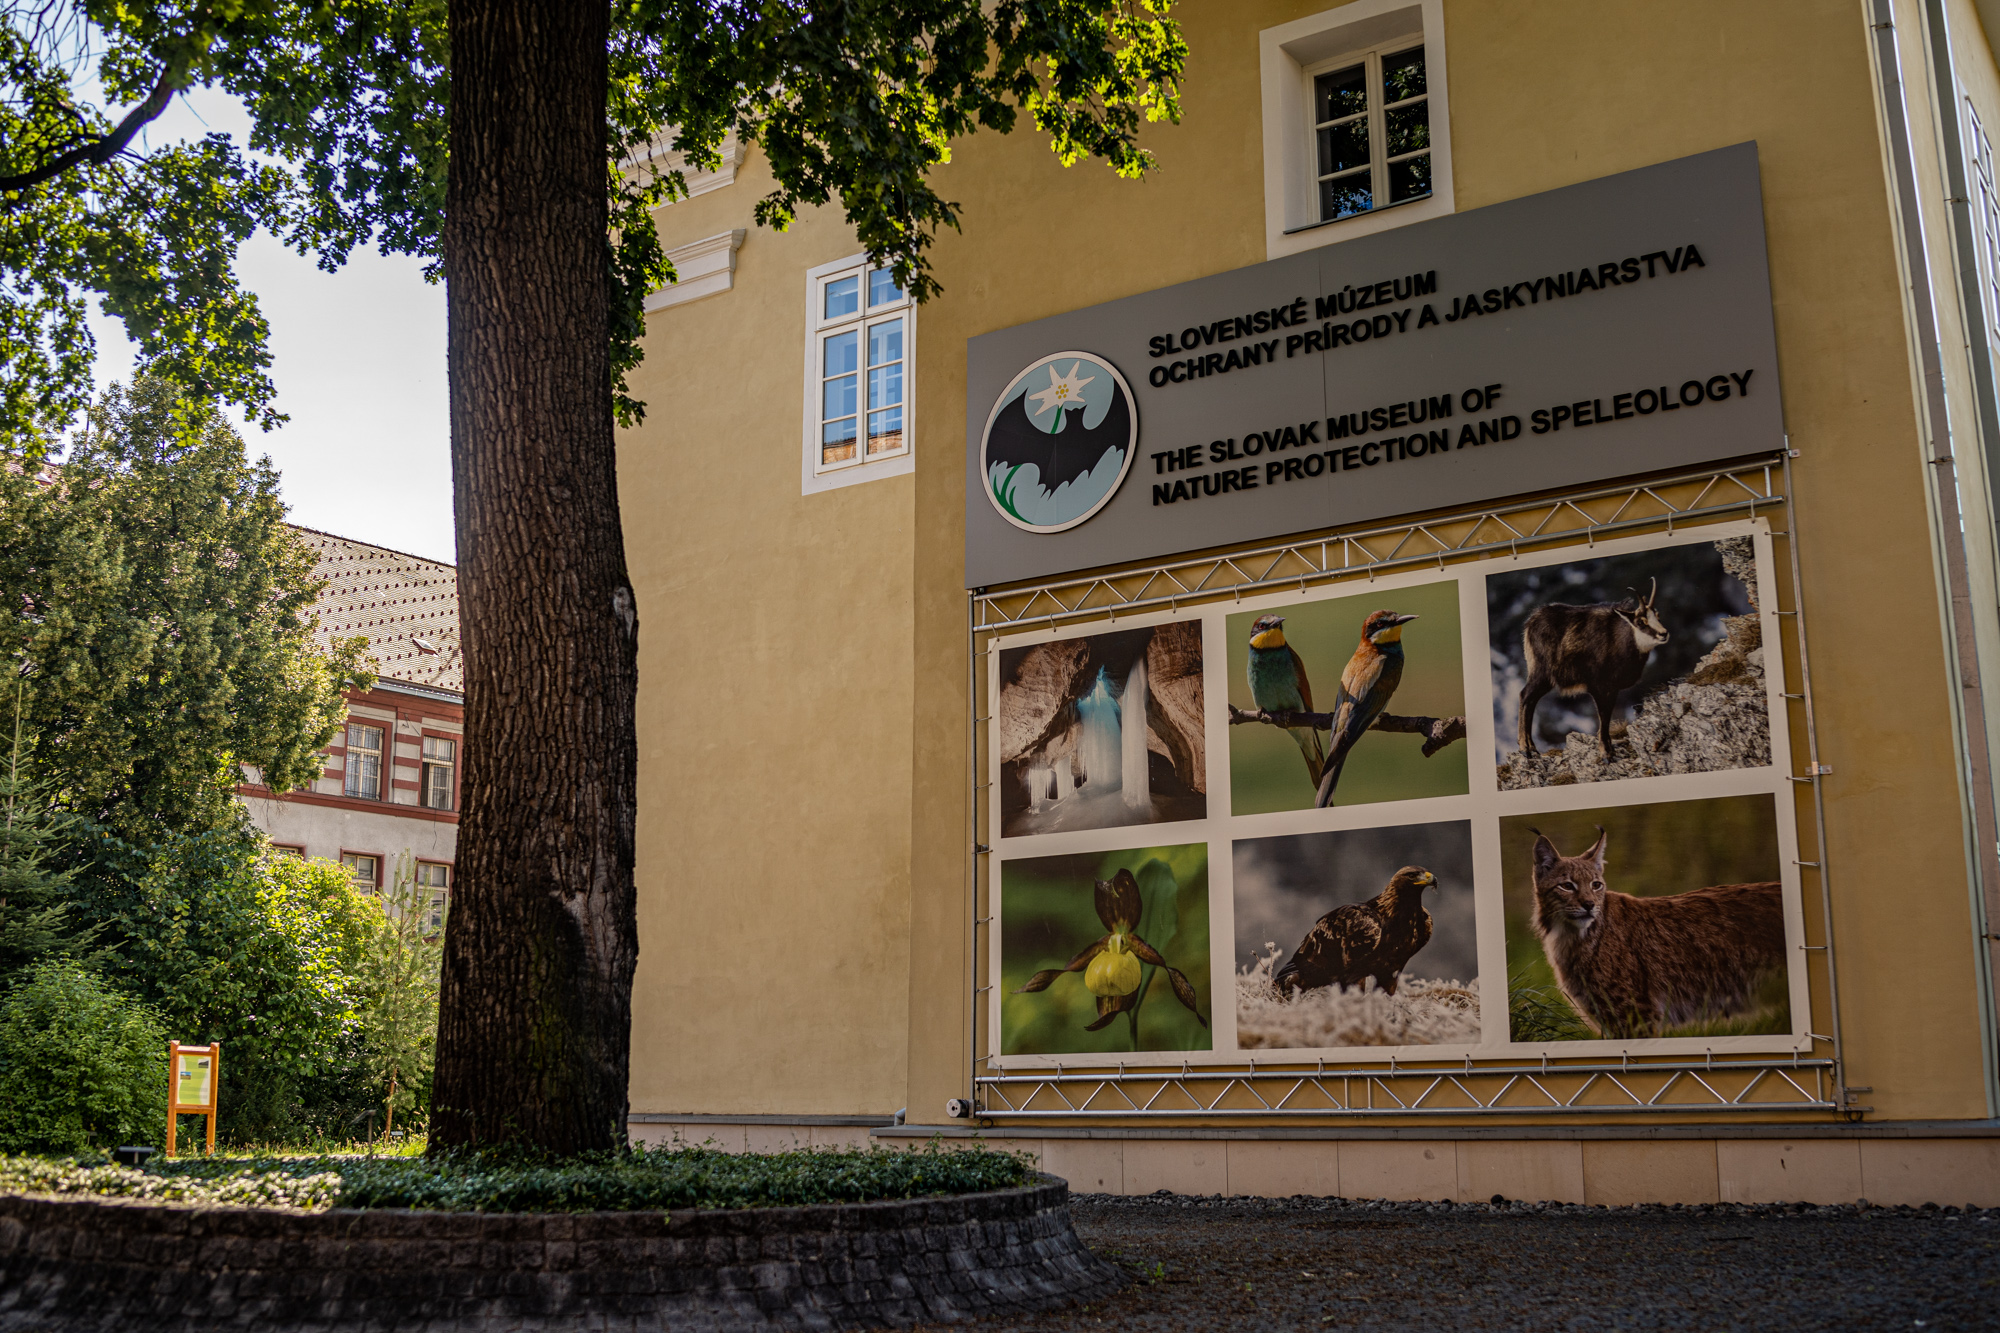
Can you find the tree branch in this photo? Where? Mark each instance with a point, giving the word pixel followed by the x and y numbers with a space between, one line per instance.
pixel 1437 732
pixel 112 144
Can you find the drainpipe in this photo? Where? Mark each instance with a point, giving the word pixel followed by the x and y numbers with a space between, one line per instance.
pixel 1982 852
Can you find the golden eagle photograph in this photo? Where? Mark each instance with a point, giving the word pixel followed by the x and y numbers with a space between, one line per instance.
pixel 1361 937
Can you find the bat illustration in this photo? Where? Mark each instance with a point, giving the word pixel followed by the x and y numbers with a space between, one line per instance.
pixel 1022 433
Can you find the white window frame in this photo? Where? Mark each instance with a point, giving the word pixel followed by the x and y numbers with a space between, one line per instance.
pixel 1986 210
pixel 382 754
pixel 426 766
pixel 817 476
pixel 1290 55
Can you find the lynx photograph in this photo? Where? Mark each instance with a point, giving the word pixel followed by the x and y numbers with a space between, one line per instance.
pixel 1347 700
pixel 1105 952
pixel 1641 921
pixel 1363 937
pixel 1629 666
pixel 1103 731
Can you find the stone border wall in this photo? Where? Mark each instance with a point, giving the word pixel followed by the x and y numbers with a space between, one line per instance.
pixel 75 1264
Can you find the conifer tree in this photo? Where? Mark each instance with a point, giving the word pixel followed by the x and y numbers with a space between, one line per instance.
pixel 34 895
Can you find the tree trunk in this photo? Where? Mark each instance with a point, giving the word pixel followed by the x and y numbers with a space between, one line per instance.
pixel 534 1030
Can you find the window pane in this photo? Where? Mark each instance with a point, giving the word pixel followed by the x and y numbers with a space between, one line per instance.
pixel 367 738
pixel 1346 196
pixel 1408 128
pixel 882 287
pixel 437 786
pixel 885 431
pixel 1341 93
pixel 885 386
pixel 1343 146
pixel 1410 180
pixel 1403 75
pixel 841 352
pixel 440 750
pixel 839 401
pixel 843 297
pixel 837 441
pixel 885 342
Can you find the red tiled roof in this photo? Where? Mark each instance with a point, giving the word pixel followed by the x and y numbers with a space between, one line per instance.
pixel 407 607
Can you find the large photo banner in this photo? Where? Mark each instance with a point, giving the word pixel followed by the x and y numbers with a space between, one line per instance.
pixel 1537 804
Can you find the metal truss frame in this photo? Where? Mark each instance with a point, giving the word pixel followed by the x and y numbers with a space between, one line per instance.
pixel 1605 1088
pixel 1794 1084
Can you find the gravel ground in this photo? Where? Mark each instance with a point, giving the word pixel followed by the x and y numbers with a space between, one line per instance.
pixel 1215 1263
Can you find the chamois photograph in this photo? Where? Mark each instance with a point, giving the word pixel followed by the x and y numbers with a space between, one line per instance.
pixel 1644 921
pixel 1629 666
pixel 1103 731
pixel 1361 937
pixel 1347 700
pixel 1105 952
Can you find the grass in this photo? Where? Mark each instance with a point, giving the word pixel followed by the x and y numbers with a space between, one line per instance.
pixel 514 1182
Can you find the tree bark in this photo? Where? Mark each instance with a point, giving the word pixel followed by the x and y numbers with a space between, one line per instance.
pixel 534 1033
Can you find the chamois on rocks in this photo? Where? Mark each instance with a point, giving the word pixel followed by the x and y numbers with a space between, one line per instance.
pixel 1598 650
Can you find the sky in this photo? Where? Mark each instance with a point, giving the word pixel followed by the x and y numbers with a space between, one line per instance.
pixel 359 360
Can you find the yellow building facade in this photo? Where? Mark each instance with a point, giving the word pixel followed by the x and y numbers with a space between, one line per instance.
pixel 856 764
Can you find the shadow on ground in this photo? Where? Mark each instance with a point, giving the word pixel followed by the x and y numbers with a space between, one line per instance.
pixel 1214 1264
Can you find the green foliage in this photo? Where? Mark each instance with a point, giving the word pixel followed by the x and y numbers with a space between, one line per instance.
pixel 858 103
pixel 153 237
pixel 513 1182
pixel 398 975
pixel 245 1186
pixel 81 1065
pixel 34 896
pixel 1048 915
pixel 258 951
pixel 1266 770
pixel 162 612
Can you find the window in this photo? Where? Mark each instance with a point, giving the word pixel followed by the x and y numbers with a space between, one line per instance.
pixel 440 763
pixel 1986 210
pixel 364 761
pixel 437 879
pixel 1356 126
pixel 364 869
pixel 858 375
pixel 1372 134
pixel 286 849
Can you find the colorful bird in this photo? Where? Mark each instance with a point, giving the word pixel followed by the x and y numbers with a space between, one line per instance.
pixel 1110 966
pixel 1278 684
pixel 1361 940
pixel 1371 677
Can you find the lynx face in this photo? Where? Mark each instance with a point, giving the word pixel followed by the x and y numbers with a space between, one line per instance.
pixel 1569 890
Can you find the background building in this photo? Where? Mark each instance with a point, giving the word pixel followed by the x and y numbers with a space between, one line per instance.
pixel 828 787
pixel 391 780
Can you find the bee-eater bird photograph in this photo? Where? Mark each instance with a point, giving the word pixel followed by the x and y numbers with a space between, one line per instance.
pixel 1393 649
pixel 1278 683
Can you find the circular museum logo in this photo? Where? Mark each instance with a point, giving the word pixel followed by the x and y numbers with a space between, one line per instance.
pixel 1059 442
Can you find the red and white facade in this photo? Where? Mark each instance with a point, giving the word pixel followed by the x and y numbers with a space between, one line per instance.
pixel 390 784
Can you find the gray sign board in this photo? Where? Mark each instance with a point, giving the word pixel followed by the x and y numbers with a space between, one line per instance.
pixel 1610 328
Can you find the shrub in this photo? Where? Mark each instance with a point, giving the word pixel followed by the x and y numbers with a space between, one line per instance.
pixel 81 1065
pixel 514 1182
pixel 231 943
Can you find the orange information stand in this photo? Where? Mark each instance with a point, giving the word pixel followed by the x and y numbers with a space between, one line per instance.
pixel 194 1077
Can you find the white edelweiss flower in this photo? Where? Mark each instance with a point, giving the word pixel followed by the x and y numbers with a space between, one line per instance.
pixel 1063 390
